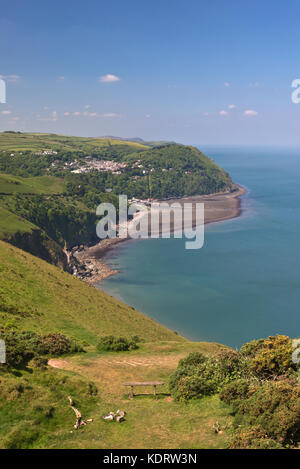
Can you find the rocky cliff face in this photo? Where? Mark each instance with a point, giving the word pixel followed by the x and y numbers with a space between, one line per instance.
pixel 39 244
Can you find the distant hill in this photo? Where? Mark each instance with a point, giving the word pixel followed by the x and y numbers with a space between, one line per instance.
pixel 150 143
pixel 18 141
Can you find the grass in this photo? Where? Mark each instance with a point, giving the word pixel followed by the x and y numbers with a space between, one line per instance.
pixel 11 223
pixel 150 422
pixel 39 141
pixel 34 185
pixel 49 299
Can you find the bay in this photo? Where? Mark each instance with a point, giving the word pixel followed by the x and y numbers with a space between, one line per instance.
pixel 244 283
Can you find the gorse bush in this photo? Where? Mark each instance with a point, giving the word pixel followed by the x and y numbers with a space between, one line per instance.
pixel 272 405
pixel 270 357
pixel 111 343
pixel 198 375
pixel 233 392
pixel 259 382
pixel 253 438
pixel 19 346
pixel 54 344
pixel 26 346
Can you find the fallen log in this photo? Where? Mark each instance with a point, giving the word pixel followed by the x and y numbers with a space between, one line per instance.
pixel 79 420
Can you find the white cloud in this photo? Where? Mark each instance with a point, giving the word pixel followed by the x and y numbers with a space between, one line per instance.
pixel 231 106
pixel 148 116
pixel 5 113
pixel 254 85
pixel 61 78
pixel 223 113
pixel 111 114
pixel 206 114
pixel 109 78
pixel 227 84
pixel 83 114
pixel 250 112
pixel 17 118
pixel 89 114
pixel 87 106
pixel 52 118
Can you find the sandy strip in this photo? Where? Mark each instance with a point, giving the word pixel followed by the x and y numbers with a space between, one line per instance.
pixel 217 207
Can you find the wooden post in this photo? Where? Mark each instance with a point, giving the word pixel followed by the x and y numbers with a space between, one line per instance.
pixel 154 390
pixel 131 392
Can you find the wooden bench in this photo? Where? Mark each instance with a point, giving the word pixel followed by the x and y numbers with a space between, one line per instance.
pixel 144 383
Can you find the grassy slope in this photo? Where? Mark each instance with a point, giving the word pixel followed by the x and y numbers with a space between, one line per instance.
pixel 34 411
pixel 49 299
pixel 35 185
pixel 12 185
pixel 11 223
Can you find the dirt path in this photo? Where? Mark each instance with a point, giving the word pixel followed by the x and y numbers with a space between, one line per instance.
pixel 109 373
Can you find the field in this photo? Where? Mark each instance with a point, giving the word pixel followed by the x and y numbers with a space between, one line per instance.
pixel 13 141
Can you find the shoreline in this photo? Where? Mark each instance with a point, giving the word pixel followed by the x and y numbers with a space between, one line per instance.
pixel 89 261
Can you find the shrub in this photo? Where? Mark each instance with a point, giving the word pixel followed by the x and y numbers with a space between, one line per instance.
pixel 18 350
pixel 116 344
pixel 198 375
pixel 250 349
pixel 23 346
pixel 38 362
pixel 269 357
pixel 235 391
pixel 54 344
pixel 274 406
pixel 253 438
pixel 229 365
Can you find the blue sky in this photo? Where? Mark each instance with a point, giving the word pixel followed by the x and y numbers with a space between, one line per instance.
pixel 193 71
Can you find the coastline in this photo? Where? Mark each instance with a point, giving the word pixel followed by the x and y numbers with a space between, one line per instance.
pixel 90 264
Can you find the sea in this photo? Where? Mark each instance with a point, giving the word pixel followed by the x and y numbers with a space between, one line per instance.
pixel 244 283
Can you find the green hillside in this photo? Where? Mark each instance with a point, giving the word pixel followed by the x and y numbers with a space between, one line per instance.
pixel 10 224
pixel 32 185
pixel 40 297
pixel 36 297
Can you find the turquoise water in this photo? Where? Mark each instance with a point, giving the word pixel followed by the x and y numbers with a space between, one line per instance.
pixel 245 282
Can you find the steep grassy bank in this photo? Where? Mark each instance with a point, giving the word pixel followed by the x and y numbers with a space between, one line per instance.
pixel 40 297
